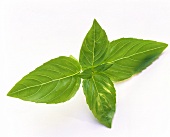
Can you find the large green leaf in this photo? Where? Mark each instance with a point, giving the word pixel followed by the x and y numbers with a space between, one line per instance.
pixel 129 56
pixel 54 82
pixel 94 47
pixel 101 98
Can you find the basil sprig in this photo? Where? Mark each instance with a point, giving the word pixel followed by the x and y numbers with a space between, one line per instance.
pixel 100 64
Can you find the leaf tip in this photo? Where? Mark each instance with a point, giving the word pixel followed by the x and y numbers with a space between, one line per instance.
pixel 166 45
pixel 163 45
pixel 108 124
pixel 107 121
pixel 95 22
pixel 9 93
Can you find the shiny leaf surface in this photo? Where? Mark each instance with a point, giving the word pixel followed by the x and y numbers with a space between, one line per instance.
pixel 129 56
pixel 101 98
pixel 54 82
pixel 94 47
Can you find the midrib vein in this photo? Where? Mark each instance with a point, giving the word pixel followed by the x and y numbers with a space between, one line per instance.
pixel 44 83
pixel 93 44
pixel 97 92
pixel 124 57
pixel 133 55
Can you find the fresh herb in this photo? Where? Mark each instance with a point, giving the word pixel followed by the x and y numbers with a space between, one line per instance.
pixel 100 64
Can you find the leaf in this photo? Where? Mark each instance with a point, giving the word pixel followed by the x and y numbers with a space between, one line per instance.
pixel 54 82
pixel 86 74
pixel 94 47
pixel 129 56
pixel 101 98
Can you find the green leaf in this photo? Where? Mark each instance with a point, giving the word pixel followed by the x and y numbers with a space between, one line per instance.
pixel 94 47
pixel 54 82
pixel 86 74
pixel 129 56
pixel 101 98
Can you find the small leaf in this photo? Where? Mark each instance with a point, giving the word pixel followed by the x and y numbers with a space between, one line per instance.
pixel 94 47
pixel 101 98
pixel 129 56
pixel 86 74
pixel 54 82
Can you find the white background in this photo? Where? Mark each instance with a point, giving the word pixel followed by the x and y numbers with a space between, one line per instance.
pixel 35 31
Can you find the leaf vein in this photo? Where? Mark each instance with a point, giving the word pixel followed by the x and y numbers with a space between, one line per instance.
pixel 43 83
